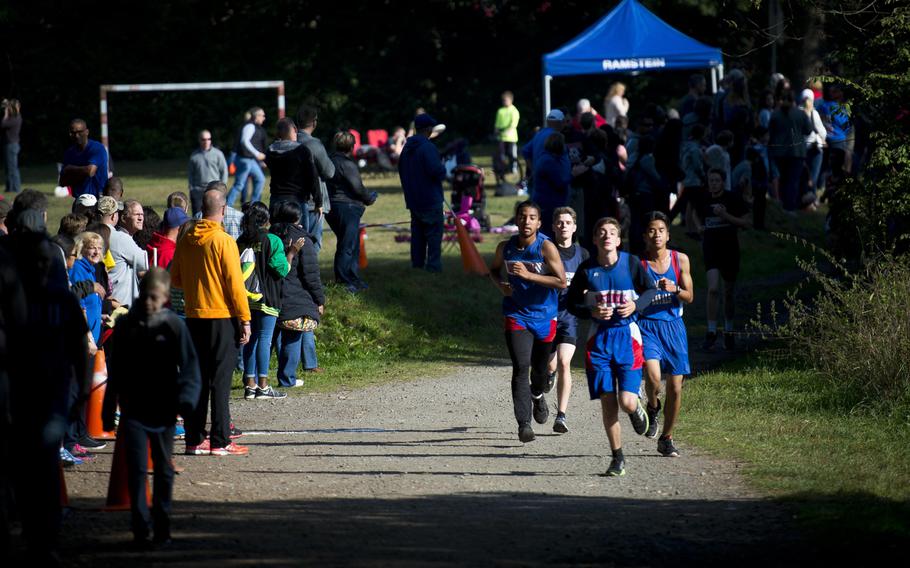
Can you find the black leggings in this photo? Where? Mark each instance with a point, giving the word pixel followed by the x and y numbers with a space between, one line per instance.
pixel 528 354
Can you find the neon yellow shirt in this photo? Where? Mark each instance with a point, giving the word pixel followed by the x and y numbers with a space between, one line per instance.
pixel 507 124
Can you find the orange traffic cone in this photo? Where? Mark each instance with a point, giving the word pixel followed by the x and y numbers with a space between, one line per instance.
pixel 64 497
pixel 470 257
pixel 118 493
pixel 362 261
pixel 96 400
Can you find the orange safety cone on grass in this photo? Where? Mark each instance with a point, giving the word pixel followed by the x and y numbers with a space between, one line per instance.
pixel 362 260
pixel 118 492
pixel 96 400
pixel 470 257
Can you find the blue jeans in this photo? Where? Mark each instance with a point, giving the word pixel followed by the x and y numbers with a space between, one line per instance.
pixel 246 167
pixel 344 219
pixel 312 223
pixel 814 157
pixel 256 353
pixel 308 350
pixel 288 356
pixel 426 239
pixel 13 178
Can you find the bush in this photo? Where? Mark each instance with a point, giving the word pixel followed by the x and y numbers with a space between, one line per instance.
pixel 855 331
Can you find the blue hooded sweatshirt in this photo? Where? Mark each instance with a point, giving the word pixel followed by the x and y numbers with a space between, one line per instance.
pixel 421 172
pixel 85 270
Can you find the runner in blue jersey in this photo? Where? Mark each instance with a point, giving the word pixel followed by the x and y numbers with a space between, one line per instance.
pixel 663 333
pixel 534 274
pixel 572 255
pixel 610 289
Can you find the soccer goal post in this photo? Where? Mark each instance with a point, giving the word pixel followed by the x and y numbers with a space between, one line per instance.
pixel 151 87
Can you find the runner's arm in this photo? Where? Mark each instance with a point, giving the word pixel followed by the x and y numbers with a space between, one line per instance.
pixel 496 271
pixel 686 291
pixel 575 301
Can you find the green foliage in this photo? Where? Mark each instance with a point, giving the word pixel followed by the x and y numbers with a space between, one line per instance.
pixel 854 332
pixel 875 61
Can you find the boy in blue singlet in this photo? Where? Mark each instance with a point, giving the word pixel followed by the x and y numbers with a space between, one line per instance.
pixel 610 288
pixel 572 255
pixel 534 274
pixel 663 333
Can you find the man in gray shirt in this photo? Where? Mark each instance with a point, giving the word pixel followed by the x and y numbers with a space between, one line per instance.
pixel 130 261
pixel 306 122
pixel 207 164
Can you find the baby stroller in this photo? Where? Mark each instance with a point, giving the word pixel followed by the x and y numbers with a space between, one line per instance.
pixel 468 196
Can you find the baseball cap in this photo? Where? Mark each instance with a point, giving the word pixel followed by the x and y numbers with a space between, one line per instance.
pixel 87 200
pixel 556 115
pixel 107 205
pixel 424 121
pixel 174 217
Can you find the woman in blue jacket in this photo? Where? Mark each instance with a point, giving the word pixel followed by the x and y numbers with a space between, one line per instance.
pixel 552 176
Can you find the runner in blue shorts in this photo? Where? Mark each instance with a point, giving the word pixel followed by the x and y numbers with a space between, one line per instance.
pixel 572 255
pixel 663 332
pixel 610 289
pixel 534 274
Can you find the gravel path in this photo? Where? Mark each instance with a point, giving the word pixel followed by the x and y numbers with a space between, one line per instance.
pixel 431 472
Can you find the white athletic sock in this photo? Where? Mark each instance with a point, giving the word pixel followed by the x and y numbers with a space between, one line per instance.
pixel 712 326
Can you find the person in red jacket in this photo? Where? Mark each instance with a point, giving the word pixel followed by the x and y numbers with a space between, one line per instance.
pixel 164 240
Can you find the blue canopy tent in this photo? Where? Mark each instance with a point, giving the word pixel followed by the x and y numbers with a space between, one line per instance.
pixel 630 39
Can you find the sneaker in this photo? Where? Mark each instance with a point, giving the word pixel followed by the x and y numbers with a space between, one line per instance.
pixel 203 449
pixel 179 432
pixel 525 433
pixel 235 432
pixel 79 452
pixel 551 380
pixel 68 459
pixel 269 392
pixel 315 370
pixel 231 449
pixel 297 383
pixel 559 425
pixel 639 419
pixel 541 412
pixel 617 467
pixel 710 340
pixel 729 341
pixel 91 443
pixel 653 420
pixel 249 393
pixel 666 448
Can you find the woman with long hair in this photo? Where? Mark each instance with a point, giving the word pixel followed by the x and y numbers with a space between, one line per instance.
pixel 11 125
pixel 616 104
pixel 265 254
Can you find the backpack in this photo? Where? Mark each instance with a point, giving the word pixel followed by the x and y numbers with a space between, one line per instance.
pixel 250 277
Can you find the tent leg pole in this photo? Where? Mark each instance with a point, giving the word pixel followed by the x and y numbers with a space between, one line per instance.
pixel 546 95
pixel 714 80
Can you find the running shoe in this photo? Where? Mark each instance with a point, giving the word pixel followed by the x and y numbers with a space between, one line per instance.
pixel 559 425
pixel 203 449
pixel 639 419
pixel 525 433
pixel 541 412
pixel 551 380
pixel 91 443
pixel 81 453
pixel 235 432
pixel 710 340
pixel 269 393
pixel 729 341
pixel 68 459
pixel 179 432
pixel 667 448
pixel 249 393
pixel 617 467
pixel 231 449
pixel 653 420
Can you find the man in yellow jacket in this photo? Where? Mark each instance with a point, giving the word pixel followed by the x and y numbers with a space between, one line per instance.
pixel 206 266
pixel 506 131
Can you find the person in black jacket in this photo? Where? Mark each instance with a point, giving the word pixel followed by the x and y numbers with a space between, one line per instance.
pixel 153 375
pixel 293 170
pixel 302 298
pixel 349 199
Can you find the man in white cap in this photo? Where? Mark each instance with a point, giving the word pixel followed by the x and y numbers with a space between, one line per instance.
pixel 130 261
pixel 422 173
pixel 556 122
pixel 85 204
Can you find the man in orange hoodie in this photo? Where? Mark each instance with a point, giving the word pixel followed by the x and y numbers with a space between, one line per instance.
pixel 206 266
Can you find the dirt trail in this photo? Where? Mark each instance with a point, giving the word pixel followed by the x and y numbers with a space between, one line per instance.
pixel 431 472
